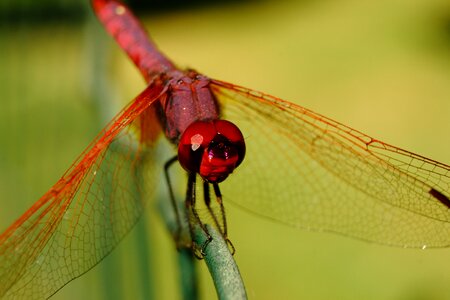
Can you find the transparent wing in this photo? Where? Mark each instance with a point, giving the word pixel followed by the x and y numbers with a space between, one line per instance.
pixel 308 171
pixel 87 212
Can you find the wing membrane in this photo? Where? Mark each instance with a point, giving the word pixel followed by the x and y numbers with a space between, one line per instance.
pixel 309 171
pixel 86 213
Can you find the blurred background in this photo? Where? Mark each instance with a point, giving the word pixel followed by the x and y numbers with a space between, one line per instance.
pixel 382 67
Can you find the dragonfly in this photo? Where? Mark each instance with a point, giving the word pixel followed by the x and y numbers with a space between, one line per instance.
pixel 269 156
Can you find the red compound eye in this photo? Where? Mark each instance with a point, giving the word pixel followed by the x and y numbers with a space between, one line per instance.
pixel 213 149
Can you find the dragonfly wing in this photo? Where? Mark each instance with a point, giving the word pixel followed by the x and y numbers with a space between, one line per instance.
pixel 87 212
pixel 311 172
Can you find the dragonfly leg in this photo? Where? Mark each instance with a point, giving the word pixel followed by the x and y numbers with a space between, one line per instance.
pixel 190 208
pixel 207 199
pixel 224 218
pixel 177 232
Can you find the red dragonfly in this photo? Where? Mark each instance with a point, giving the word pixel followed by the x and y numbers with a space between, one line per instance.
pixel 301 169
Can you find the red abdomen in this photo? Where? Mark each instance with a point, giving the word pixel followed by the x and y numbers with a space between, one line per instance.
pixel 132 38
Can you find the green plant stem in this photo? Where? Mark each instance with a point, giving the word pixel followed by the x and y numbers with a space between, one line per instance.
pixel 221 265
pixel 100 92
pixel 218 258
pixel 186 260
pixel 188 274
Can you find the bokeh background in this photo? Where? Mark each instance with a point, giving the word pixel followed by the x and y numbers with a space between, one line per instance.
pixel 382 67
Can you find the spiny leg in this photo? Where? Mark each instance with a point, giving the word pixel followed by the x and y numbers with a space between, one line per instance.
pixel 207 199
pixel 190 207
pixel 177 231
pixel 224 218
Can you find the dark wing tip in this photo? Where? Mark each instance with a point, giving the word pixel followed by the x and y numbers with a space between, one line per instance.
pixel 441 197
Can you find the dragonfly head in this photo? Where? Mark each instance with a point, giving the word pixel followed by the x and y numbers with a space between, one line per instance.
pixel 213 149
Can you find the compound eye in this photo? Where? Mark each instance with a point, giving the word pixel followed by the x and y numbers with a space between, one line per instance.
pixel 212 149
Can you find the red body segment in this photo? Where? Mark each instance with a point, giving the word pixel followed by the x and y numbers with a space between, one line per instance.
pixel 132 38
pixel 189 99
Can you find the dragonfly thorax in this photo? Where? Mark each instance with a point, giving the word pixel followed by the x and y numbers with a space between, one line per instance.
pixel 188 99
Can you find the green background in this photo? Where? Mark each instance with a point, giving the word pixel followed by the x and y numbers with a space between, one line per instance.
pixel 382 67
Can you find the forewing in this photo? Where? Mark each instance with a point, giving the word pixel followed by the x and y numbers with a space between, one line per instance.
pixel 311 172
pixel 87 212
